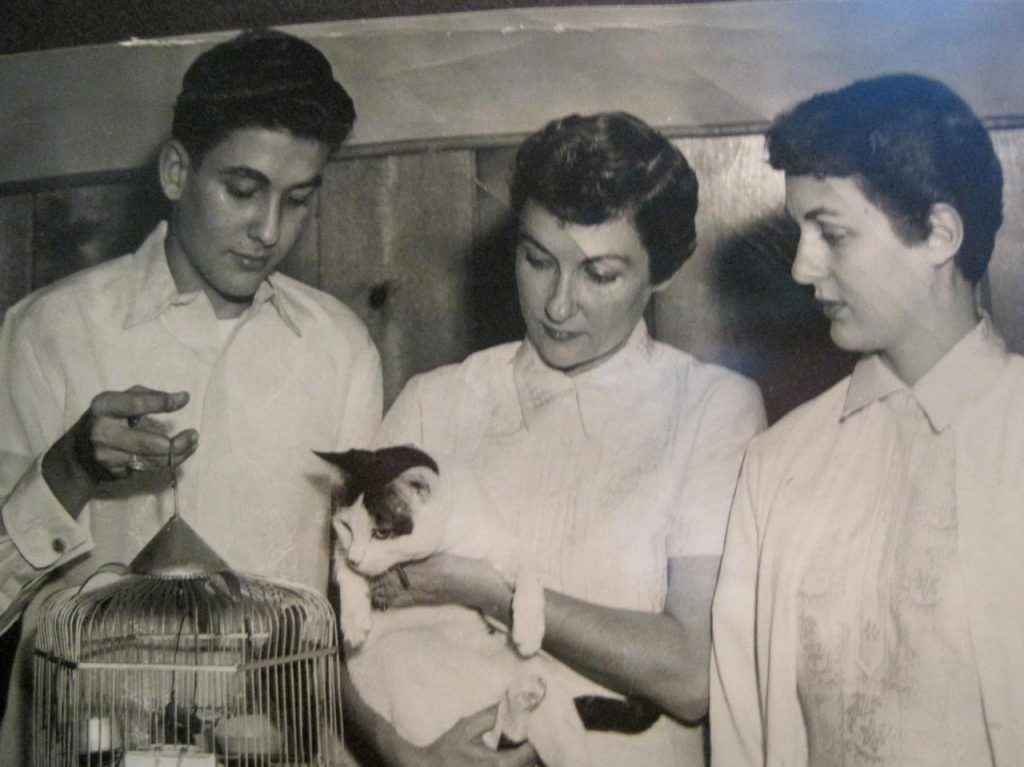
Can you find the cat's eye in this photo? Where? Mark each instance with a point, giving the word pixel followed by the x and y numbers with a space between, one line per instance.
pixel 382 535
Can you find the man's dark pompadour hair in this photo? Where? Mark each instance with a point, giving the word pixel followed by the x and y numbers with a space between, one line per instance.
pixel 264 79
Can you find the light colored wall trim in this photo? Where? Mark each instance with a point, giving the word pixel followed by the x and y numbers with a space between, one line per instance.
pixel 482 76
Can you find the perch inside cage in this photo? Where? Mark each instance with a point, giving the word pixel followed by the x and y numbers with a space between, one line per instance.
pixel 182 661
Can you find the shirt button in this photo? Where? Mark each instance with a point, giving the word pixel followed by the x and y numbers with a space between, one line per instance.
pixel 58 545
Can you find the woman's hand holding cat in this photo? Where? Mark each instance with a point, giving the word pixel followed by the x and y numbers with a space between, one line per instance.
pixel 463 746
pixel 447 579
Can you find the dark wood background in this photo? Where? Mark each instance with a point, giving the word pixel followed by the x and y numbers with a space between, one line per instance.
pixel 416 243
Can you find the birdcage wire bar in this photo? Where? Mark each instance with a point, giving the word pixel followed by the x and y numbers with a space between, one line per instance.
pixel 132 672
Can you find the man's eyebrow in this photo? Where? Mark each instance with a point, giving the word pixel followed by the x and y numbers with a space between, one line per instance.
pixel 244 171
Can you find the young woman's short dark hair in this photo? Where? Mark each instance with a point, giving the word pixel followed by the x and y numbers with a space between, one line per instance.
pixel 909 142
pixel 265 79
pixel 592 169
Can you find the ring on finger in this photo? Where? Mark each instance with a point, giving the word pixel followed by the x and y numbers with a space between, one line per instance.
pixel 380 591
pixel 134 464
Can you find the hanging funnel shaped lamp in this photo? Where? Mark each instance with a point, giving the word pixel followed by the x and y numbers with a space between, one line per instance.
pixel 183 661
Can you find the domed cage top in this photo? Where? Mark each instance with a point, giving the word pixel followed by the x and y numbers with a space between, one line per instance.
pixel 171 666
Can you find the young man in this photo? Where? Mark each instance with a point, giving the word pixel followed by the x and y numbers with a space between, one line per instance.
pixel 867 610
pixel 192 346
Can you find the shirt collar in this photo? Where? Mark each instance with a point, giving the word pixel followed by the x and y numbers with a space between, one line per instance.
pixel 155 290
pixel 968 369
pixel 596 394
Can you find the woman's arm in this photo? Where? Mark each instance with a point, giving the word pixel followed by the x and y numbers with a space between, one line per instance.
pixel 662 657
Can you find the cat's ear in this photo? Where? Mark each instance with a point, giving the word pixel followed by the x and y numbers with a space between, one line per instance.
pixel 349 465
pixel 350 462
pixel 418 482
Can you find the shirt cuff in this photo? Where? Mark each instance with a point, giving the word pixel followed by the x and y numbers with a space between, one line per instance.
pixel 39 525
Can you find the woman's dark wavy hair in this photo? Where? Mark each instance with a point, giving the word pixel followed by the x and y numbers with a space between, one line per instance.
pixel 909 142
pixel 261 78
pixel 592 169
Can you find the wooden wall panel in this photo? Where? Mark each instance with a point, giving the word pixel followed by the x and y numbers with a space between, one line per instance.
pixel 304 261
pixel 496 314
pixel 15 249
pixel 1006 272
pixel 396 240
pixel 733 302
pixel 80 226
pixel 737 188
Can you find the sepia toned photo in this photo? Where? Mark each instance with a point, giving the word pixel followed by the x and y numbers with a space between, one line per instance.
pixel 508 383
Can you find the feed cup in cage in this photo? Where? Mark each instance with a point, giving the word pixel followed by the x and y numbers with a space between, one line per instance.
pixel 99 740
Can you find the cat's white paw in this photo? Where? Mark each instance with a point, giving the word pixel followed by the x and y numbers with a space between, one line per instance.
pixel 520 699
pixel 356 610
pixel 356 623
pixel 528 614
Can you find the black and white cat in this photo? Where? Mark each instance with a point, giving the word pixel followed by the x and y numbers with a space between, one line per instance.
pixel 391 507
pixel 423 668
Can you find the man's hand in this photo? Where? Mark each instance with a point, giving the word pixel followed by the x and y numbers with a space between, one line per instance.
pixel 463 746
pixel 112 439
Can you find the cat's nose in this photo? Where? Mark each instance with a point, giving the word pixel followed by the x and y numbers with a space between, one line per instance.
pixel 355 553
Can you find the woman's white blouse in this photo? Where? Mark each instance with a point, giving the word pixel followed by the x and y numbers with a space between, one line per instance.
pixel 605 474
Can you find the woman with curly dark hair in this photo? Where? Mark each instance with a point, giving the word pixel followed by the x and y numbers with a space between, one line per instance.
pixel 613 456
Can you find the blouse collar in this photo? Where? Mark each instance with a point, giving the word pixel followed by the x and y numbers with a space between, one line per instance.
pixel 596 394
pixel 967 370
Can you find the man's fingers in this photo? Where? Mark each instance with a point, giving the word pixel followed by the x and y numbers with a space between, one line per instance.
pixel 141 451
pixel 158 446
pixel 137 401
pixel 143 439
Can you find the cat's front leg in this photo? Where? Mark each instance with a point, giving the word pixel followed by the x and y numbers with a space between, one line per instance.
pixel 356 611
pixel 528 612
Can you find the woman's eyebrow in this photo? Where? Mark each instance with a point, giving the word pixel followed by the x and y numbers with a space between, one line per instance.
pixel 821 211
pixel 525 235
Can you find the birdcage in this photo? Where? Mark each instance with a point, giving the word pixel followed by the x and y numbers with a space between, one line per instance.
pixel 182 661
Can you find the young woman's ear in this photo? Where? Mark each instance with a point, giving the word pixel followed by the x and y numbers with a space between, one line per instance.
pixel 946 235
pixel 174 168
